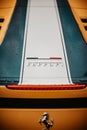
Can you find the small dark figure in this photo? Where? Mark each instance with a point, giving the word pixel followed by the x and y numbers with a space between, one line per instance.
pixel 44 120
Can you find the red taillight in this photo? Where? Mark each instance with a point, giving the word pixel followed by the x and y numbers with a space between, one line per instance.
pixel 47 87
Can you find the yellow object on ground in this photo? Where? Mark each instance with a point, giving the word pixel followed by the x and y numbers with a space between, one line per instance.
pixel 79 10
pixel 6 11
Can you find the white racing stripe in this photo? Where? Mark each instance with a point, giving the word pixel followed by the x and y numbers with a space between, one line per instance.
pixel 44 59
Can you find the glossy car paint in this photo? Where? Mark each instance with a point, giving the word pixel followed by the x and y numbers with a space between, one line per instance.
pixel 22 109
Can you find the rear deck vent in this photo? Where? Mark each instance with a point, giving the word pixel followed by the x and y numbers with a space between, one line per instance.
pixel 79 10
pixel 1 20
pixel 6 12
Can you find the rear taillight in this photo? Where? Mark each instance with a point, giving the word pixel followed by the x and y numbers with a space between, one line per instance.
pixel 47 87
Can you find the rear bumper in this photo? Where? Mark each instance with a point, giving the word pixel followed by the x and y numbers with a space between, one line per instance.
pixel 27 119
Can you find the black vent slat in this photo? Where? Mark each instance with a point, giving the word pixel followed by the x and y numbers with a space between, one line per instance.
pixel 84 20
pixel 1 20
pixel 85 28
